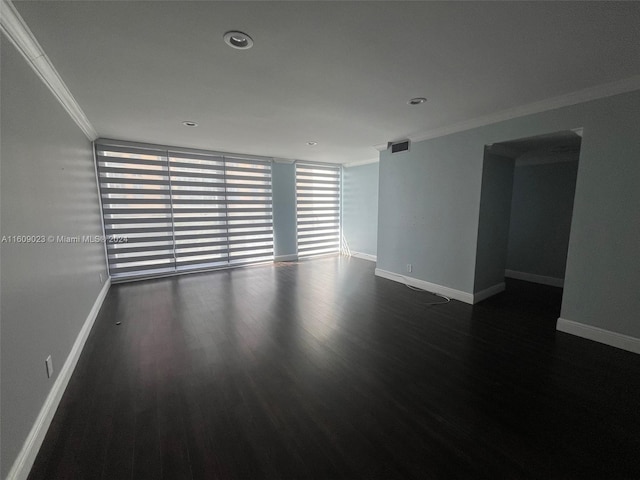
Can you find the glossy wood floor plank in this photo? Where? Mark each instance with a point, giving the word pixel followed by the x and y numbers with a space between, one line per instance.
pixel 319 369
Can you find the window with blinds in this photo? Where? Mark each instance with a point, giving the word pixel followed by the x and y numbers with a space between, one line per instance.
pixel 318 209
pixel 183 210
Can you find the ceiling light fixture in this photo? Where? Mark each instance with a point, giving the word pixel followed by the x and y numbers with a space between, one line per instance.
pixel 238 40
pixel 189 123
pixel 312 144
pixel 417 101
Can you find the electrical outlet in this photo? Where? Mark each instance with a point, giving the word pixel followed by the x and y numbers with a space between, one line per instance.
pixel 101 279
pixel 49 363
pixel 409 267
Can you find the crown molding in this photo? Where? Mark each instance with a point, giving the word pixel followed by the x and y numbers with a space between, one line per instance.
pixel 361 162
pixel 18 32
pixel 580 96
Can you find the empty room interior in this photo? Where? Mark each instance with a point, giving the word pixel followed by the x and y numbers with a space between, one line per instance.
pixel 317 239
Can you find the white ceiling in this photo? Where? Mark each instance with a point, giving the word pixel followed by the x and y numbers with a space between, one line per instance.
pixel 339 73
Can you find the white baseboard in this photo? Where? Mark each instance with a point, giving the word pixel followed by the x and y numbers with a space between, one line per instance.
pixel 488 292
pixel 23 463
pixel 286 258
pixel 531 277
pixel 364 256
pixel 431 287
pixel 613 339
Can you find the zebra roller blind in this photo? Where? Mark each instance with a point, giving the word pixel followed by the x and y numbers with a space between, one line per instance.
pixel 183 210
pixel 318 209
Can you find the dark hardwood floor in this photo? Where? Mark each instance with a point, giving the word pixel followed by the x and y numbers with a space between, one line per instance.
pixel 322 370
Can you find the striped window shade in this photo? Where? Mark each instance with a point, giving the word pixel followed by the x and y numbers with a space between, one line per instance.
pixel 199 210
pixel 136 205
pixel 182 210
pixel 318 208
pixel 249 216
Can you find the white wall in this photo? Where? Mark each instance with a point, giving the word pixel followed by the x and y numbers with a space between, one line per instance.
pixel 47 290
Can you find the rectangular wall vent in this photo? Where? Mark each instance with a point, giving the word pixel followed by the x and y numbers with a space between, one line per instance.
pixel 399 147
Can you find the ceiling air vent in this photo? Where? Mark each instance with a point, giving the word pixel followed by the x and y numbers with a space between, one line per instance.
pixel 399 147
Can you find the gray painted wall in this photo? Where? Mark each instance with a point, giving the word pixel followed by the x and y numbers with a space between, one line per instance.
pixel 493 228
pixel 47 290
pixel 284 208
pixel 429 205
pixel 541 210
pixel 428 210
pixel 360 208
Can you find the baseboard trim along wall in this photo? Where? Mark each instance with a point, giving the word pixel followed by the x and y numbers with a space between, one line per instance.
pixel 364 256
pixel 613 339
pixel 286 258
pixel 22 465
pixel 531 277
pixel 431 287
pixel 488 292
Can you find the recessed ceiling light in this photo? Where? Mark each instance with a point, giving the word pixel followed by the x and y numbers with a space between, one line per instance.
pixel 238 40
pixel 417 101
pixel 312 144
pixel 189 123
